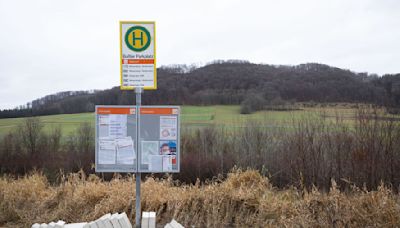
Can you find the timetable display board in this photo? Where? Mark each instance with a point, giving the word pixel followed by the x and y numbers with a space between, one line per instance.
pixel 160 139
pixel 115 149
pixel 116 140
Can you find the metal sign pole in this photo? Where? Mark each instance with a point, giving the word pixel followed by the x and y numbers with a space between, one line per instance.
pixel 138 91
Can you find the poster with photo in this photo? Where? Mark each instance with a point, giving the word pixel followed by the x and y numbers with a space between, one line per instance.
pixel 167 147
pixel 168 127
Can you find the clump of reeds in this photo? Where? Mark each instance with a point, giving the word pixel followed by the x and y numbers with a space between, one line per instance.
pixel 242 199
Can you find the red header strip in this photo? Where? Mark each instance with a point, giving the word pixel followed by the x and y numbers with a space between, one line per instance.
pixel 138 61
pixel 157 111
pixel 110 110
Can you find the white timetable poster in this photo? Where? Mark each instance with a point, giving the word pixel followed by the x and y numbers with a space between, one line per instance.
pixel 117 126
pixel 107 150
pixel 125 150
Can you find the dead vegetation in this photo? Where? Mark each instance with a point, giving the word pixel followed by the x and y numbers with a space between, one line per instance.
pixel 301 163
pixel 243 199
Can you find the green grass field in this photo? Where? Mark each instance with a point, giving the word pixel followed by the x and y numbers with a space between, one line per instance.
pixel 197 116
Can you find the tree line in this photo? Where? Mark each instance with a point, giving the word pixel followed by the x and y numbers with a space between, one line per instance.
pixel 233 82
pixel 361 151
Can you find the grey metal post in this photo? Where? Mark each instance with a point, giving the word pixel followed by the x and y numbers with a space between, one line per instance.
pixel 138 92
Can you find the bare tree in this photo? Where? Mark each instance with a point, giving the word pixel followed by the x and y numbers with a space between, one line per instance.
pixel 29 131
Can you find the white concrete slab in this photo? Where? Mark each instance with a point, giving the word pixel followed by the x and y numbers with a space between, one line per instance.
pixel 175 224
pixel 124 221
pixel 145 219
pixel 59 224
pixel 75 225
pixel 152 219
pixel 114 221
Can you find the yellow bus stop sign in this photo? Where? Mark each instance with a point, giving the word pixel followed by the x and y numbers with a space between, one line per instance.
pixel 138 55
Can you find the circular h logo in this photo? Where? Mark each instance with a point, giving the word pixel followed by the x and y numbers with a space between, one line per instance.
pixel 137 38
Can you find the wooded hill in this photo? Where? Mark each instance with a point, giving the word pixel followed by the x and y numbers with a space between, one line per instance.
pixel 232 82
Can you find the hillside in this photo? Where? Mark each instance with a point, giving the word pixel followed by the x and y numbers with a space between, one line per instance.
pixel 231 82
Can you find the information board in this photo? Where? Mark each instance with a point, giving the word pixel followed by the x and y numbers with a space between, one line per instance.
pixel 138 55
pixel 160 139
pixel 159 144
pixel 115 139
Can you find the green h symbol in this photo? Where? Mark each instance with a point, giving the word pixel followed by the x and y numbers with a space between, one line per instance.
pixel 137 38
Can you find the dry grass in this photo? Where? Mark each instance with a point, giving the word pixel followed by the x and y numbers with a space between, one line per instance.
pixel 243 199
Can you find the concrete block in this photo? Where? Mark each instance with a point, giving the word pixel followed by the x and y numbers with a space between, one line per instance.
pixel 152 219
pixel 145 220
pixel 124 221
pixel 92 225
pixel 43 225
pixel 104 221
pixel 99 224
pixel 36 225
pixel 75 225
pixel 114 221
pixel 168 226
pixel 59 224
pixel 107 223
pixel 175 224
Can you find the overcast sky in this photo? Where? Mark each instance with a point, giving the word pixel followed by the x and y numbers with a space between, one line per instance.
pixel 51 46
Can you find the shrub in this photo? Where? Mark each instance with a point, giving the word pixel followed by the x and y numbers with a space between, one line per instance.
pixel 245 108
pixel 252 103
